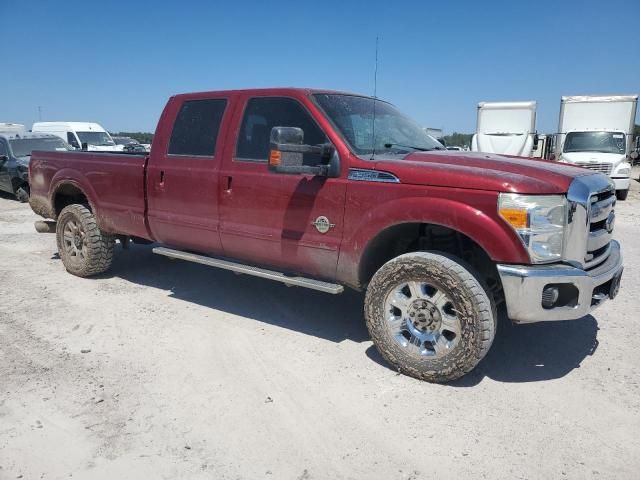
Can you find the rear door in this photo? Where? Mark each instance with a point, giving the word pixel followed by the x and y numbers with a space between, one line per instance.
pixel 182 174
pixel 268 218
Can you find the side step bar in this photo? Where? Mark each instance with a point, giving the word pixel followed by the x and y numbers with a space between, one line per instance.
pixel 249 270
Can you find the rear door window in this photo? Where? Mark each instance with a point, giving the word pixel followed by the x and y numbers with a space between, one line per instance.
pixel 196 128
pixel 264 113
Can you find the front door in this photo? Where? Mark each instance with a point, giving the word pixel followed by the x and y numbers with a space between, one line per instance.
pixel 182 175
pixel 292 222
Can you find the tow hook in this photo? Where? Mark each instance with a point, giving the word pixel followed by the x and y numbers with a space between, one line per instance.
pixel 45 226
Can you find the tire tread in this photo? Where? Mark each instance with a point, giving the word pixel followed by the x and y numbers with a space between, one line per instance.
pixel 458 271
pixel 100 245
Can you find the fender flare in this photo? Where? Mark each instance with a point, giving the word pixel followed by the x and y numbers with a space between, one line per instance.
pixel 494 236
pixel 68 176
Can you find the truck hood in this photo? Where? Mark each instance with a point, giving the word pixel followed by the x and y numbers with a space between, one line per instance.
pixel 24 161
pixel 105 148
pixel 482 171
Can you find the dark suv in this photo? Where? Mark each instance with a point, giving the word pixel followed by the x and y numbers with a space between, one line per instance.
pixel 15 153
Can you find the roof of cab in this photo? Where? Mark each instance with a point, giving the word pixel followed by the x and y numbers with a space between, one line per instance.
pixel 268 91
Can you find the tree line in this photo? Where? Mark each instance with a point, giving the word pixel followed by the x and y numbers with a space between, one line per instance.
pixel 464 139
pixel 458 139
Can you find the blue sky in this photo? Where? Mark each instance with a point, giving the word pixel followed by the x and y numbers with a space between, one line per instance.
pixel 117 62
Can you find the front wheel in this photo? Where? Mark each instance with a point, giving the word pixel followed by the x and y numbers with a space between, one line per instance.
pixel 622 194
pixel 84 249
pixel 429 316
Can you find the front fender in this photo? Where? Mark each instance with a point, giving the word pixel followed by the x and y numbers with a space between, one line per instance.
pixel 478 219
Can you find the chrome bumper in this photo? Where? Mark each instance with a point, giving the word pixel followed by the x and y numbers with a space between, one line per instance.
pixel 523 286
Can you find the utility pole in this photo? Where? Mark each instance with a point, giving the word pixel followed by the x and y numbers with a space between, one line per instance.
pixel 39 113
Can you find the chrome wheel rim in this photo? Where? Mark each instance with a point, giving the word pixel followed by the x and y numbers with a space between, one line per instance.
pixel 422 319
pixel 73 237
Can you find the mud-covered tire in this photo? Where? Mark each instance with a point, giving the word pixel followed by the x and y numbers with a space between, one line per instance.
pixel 474 311
pixel 622 194
pixel 93 251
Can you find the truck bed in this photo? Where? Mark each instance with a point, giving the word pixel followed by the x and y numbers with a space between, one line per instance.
pixel 114 183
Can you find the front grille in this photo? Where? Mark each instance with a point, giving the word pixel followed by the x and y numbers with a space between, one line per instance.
pixel 601 206
pixel 597 167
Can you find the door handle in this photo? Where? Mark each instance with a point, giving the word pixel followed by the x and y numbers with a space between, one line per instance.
pixel 161 177
pixel 229 183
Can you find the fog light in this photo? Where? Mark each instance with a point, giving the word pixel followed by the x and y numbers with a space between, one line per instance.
pixel 550 296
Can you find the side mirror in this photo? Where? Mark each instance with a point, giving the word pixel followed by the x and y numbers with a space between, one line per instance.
pixel 287 149
pixel 536 140
pixel 634 155
pixel 3 159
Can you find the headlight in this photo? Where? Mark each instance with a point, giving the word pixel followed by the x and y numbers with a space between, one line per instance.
pixel 539 221
pixel 624 171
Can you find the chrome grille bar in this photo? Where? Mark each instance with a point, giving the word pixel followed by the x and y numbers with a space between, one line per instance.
pixel 598 167
pixel 591 199
pixel 600 210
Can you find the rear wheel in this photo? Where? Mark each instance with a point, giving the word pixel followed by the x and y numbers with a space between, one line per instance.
pixel 429 316
pixel 622 194
pixel 84 249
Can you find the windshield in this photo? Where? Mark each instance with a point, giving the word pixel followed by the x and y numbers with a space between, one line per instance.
pixel 394 132
pixel 605 142
pixel 95 138
pixel 22 147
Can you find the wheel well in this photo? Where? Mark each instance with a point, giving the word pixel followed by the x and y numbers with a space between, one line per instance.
pixel 18 182
pixel 68 194
pixel 412 237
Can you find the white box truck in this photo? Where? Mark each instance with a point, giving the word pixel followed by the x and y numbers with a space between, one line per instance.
pixel 14 128
pixel 597 133
pixel 80 134
pixel 507 128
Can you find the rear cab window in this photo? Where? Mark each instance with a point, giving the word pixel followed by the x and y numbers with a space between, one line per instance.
pixel 195 130
pixel 261 114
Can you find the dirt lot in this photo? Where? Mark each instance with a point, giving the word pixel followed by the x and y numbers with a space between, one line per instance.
pixel 190 372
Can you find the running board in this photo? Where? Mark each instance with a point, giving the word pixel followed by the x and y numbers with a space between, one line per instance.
pixel 249 270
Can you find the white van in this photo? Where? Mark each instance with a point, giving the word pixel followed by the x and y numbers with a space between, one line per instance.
pixel 507 128
pixel 77 134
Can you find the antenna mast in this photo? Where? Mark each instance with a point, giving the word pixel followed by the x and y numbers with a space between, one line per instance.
pixel 375 97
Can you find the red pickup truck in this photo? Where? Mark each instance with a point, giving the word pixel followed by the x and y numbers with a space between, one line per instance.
pixel 323 189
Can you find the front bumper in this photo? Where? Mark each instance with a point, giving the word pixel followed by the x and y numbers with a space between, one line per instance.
pixel 622 183
pixel 523 286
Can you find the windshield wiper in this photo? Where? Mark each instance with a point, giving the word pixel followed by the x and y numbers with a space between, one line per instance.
pixel 420 149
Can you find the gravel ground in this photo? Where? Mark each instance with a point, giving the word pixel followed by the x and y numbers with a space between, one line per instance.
pixel 165 369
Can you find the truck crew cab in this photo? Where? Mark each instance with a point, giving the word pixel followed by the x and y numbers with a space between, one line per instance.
pixel 324 190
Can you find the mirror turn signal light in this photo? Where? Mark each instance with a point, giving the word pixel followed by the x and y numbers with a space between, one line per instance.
pixel 274 158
